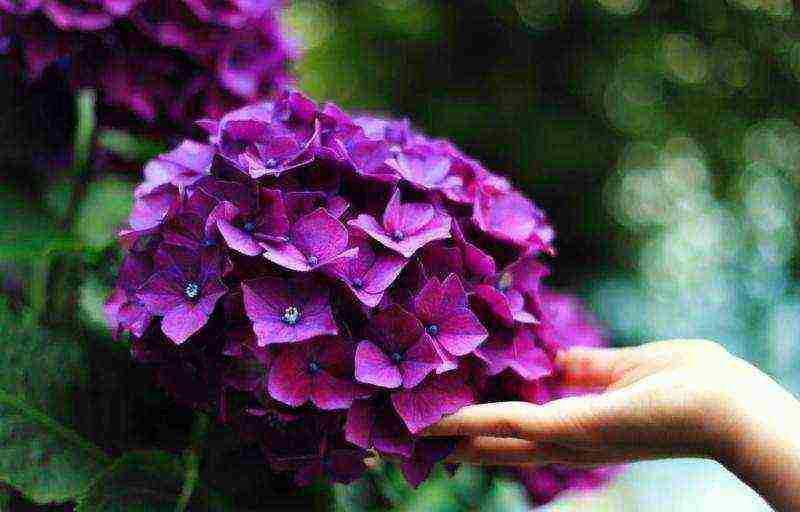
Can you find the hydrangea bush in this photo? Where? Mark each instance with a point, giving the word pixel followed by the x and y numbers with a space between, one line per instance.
pixel 332 284
pixel 161 60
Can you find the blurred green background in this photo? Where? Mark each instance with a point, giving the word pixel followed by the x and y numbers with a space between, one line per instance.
pixel 660 136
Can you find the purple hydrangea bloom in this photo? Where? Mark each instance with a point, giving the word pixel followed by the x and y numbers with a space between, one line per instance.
pixel 288 310
pixel 276 276
pixel 398 352
pixel 319 371
pixel 317 239
pixel 517 350
pixel 438 395
pixel 374 423
pixel 203 57
pixel 124 310
pixel 184 292
pixel 405 227
pixel 443 309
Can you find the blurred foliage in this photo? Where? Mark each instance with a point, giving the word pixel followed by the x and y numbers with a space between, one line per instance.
pixel 660 136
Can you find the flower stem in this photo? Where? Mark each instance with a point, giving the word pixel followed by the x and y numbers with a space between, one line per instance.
pixel 192 456
pixel 84 148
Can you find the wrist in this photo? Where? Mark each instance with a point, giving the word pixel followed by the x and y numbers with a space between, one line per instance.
pixel 755 416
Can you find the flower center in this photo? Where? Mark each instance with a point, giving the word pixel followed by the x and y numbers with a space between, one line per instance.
pixel 504 283
pixel 209 242
pixel 192 290
pixel 313 260
pixel 249 227
pixel 432 329
pixel 398 235
pixel 396 357
pixel 358 283
pixel 271 163
pixel 314 367
pixel 291 315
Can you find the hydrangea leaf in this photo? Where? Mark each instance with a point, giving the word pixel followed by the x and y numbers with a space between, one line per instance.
pixel 39 454
pixel 149 481
pixel 47 462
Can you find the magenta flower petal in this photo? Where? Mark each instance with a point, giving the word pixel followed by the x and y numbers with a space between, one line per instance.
pixel 400 352
pixel 181 167
pixel 460 332
pixel 442 308
pixel 516 350
pixel 509 216
pixel 419 361
pixel 185 292
pixel 182 321
pixel 405 227
pixel 315 240
pixel 437 396
pixel 369 273
pixel 331 393
pixel 290 381
pixel 316 372
pixel 287 311
pixel 427 452
pixel 149 212
pixel 375 367
pixel 374 424
pixel 238 240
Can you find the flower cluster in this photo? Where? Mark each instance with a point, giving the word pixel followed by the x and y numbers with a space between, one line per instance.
pixel 161 60
pixel 335 284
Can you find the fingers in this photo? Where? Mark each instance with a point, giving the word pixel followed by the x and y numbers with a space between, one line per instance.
pixel 497 451
pixel 493 451
pixel 569 420
pixel 502 419
pixel 594 367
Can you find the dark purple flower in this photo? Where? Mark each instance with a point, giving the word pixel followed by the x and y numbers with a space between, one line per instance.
pixel 288 310
pixel 515 349
pixel 243 230
pixel 318 371
pixel 375 424
pixel 268 139
pixel 545 483
pixel 425 404
pixel 369 273
pixel 430 168
pixel 338 465
pixel 443 310
pixel 184 291
pixel 203 57
pixel 405 227
pixel 124 310
pixel 427 453
pixel 512 294
pixel 181 167
pixel 507 215
pixel 149 213
pixel 398 351
pixel 315 240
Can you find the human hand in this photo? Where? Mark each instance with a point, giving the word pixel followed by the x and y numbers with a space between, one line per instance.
pixel 663 399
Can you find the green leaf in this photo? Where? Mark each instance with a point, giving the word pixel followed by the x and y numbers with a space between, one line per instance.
pixel 148 481
pixel 39 454
pixel 45 461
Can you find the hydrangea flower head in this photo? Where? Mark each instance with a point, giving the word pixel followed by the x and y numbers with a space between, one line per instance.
pixel 343 283
pixel 202 57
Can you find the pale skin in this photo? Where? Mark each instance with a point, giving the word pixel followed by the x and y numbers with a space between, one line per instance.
pixel 678 398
